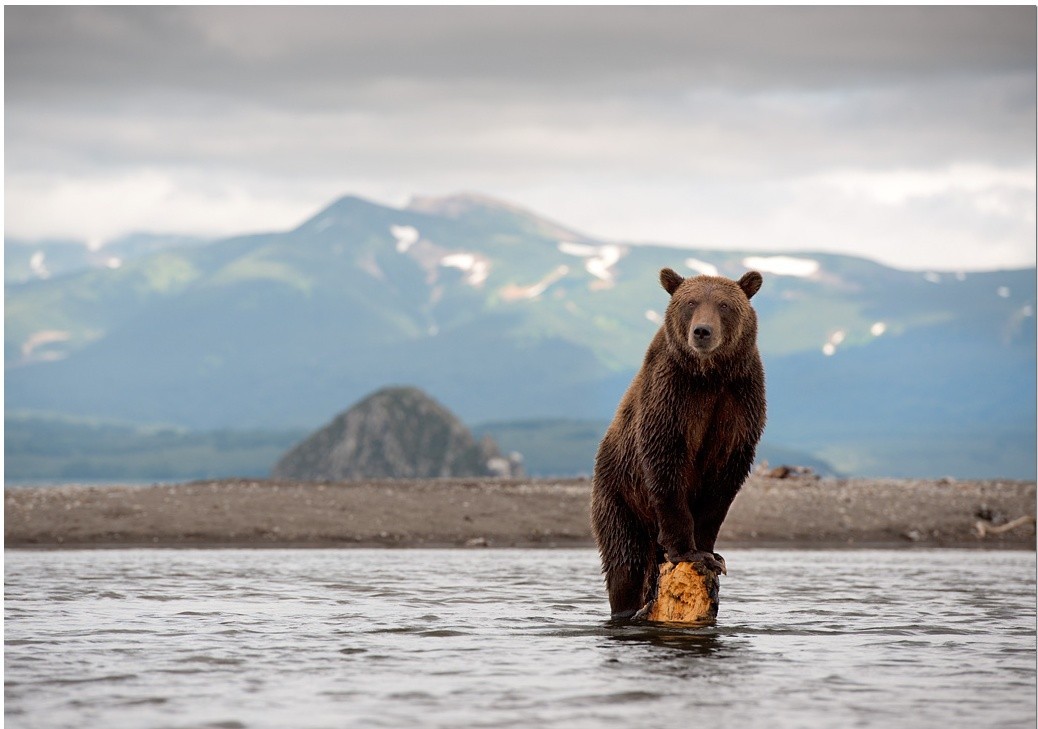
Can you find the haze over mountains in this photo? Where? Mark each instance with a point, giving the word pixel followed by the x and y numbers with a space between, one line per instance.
pixel 506 317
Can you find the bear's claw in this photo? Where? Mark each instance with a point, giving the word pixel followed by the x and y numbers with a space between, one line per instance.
pixel 720 560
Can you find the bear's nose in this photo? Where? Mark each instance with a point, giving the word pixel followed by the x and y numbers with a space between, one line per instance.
pixel 702 331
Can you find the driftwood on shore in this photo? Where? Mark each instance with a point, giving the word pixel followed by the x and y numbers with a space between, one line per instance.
pixel 984 529
pixel 686 592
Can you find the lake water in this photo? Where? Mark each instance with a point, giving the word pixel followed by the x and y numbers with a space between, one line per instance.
pixel 512 638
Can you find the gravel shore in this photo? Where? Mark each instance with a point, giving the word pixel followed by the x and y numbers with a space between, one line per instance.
pixel 769 512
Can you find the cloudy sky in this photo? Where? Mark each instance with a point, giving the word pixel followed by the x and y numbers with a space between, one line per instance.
pixel 902 134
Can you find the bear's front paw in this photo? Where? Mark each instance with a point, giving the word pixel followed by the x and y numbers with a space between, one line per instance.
pixel 710 560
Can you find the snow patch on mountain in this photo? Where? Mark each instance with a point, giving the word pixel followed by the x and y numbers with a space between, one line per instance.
pixel 38 265
pixel 783 265
pixel 464 261
pixel 835 340
pixel 601 265
pixel 514 292
pixel 577 249
pixel 476 267
pixel 599 260
pixel 702 267
pixel 406 236
pixel 41 339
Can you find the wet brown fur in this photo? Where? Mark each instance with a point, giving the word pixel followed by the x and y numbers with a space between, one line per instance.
pixel 683 438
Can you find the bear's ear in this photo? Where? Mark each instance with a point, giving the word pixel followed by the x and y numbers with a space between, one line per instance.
pixel 750 283
pixel 670 280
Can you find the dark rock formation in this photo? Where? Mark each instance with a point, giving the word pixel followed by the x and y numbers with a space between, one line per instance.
pixel 397 432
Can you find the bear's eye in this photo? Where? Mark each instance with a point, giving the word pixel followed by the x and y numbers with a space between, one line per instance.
pixel 723 306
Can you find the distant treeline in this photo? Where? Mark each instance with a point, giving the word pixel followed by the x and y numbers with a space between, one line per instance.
pixel 53 449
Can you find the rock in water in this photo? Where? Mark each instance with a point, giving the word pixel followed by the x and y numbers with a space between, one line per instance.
pixel 397 432
pixel 685 593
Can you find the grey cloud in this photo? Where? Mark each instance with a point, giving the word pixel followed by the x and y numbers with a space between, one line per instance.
pixel 790 87
pixel 719 133
pixel 324 55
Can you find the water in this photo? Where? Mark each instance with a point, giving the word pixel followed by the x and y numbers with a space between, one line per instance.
pixel 512 638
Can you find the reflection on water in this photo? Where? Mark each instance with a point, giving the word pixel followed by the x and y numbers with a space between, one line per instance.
pixel 698 641
pixel 515 638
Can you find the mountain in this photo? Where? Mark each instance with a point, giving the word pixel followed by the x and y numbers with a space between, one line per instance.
pixel 510 317
pixel 397 432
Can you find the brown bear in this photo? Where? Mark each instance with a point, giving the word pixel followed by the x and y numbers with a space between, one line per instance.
pixel 683 438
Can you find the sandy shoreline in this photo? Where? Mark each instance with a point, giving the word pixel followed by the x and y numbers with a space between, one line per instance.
pixel 499 513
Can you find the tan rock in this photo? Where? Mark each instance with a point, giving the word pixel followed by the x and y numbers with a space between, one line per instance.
pixel 686 593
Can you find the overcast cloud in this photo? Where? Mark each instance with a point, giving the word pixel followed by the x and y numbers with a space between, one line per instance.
pixel 902 134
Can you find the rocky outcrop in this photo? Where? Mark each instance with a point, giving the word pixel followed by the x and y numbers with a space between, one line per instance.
pixel 397 432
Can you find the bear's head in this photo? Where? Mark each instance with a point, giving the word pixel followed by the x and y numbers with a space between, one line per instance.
pixel 710 315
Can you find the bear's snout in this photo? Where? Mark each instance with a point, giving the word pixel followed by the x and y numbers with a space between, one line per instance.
pixel 704 334
pixel 702 337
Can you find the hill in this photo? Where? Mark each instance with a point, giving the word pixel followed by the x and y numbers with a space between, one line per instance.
pixel 397 432
pixel 509 317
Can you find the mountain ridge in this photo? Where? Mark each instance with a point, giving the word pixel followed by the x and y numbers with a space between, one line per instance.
pixel 432 206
